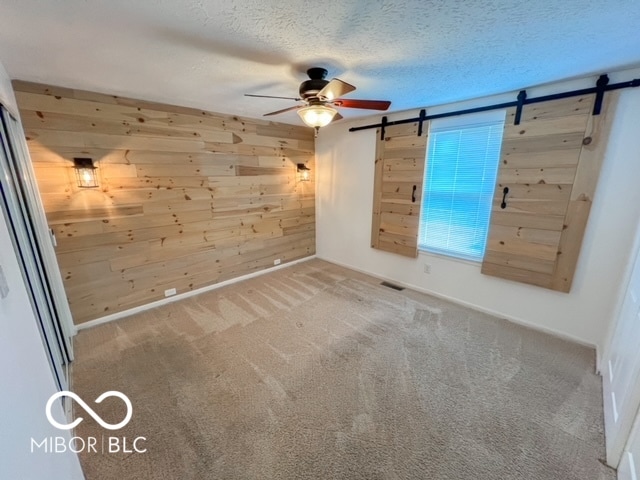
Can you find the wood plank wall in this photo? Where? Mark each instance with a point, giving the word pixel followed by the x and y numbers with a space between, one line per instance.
pixel 187 198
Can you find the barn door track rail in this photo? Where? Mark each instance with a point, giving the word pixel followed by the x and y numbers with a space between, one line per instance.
pixel 602 86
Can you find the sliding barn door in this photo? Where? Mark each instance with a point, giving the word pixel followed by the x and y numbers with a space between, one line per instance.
pixel 400 160
pixel 549 167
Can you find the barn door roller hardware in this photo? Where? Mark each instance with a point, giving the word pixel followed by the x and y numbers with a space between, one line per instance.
pixel 602 86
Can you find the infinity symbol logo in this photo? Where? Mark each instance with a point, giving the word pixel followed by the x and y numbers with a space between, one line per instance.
pixel 89 410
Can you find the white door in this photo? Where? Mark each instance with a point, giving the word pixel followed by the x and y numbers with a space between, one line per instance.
pixel 629 468
pixel 621 372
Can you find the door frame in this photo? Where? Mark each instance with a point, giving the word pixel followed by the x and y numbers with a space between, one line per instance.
pixel 21 206
pixel 44 235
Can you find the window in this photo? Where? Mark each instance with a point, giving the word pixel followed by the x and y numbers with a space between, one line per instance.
pixel 459 181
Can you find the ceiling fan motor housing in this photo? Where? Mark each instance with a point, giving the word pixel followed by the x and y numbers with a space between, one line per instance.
pixel 310 88
pixel 320 96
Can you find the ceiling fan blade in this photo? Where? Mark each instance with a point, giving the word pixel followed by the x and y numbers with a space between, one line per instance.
pixel 366 104
pixel 337 117
pixel 277 112
pixel 334 89
pixel 271 96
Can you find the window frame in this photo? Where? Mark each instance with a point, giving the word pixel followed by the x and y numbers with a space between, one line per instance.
pixel 493 117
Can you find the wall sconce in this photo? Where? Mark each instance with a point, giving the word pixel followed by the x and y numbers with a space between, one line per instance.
pixel 304 173
pixel 85 172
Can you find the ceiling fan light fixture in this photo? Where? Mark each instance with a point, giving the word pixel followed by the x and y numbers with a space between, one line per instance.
pixel 317 116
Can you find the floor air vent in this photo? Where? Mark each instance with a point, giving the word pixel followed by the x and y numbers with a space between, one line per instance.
pixel 391 285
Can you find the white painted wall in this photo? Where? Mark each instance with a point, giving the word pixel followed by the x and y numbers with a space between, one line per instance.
pixel 27 383
pixel 25 375
pixel 345 171
pixel 7 98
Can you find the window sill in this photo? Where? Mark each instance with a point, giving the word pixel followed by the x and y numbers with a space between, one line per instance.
pixel 427 253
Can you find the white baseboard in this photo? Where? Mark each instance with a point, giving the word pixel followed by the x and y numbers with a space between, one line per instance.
pixel 599 361
pixel 191 293
pixel 470 305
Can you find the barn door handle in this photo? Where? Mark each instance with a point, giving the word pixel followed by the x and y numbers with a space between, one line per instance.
pixel 503 205
pixel 413 194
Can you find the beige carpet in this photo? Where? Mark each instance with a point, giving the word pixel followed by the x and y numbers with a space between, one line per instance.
pixel 318 372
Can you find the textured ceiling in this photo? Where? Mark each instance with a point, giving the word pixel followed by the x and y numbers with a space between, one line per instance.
pixel 208 53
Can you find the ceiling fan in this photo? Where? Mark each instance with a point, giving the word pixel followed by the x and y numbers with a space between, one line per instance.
pixel 320 96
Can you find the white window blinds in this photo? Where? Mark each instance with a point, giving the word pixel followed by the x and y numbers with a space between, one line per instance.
pixel 458 187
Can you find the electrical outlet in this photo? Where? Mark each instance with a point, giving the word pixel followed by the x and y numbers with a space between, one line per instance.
pixel 427 268
pixel 170 292
pixel 276 261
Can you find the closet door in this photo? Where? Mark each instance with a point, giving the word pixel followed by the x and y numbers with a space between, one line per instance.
pixel 29 241
pixel 621 373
